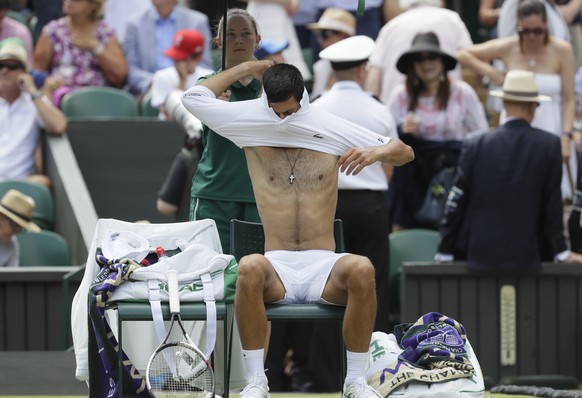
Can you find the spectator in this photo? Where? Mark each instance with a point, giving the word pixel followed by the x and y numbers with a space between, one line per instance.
pixel 149 33
pixel 11 28
pixel 79 50
pixel 505 210
pixel 396 36
pixel 434 113
pixel 334 25
pixel 361 202
pixel 24 111
pixel 552 60
pixel 15 214
pixel 186 51
pixel 275 24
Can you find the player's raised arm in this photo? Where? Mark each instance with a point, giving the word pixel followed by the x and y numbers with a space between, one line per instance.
pixel 223 80
pixel 395 152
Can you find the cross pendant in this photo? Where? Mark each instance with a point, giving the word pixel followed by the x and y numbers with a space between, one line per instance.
pixel 291 178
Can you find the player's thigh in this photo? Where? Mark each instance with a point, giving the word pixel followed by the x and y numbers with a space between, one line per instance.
pixel 256 271
pixel 349 271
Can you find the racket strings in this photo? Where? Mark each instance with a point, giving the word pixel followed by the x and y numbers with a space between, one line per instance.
pixel 192 377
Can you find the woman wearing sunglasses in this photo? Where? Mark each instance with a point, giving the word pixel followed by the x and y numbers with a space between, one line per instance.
pixel 434 115
pixel 551 59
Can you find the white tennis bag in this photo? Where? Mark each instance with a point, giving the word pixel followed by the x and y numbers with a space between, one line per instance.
pixel 393 378
pixel 205 274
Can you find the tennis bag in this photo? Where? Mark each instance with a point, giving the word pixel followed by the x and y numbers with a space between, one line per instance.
pixel 432 359
pixel 204 274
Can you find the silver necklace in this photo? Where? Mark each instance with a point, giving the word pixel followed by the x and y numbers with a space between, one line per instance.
pixel 292 175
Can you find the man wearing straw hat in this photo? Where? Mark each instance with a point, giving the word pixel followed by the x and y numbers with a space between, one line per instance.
pixel 15 215
pixel 505 209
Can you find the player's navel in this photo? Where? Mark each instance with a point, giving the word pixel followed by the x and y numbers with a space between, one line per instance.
pixel 320 177
pixel 271 178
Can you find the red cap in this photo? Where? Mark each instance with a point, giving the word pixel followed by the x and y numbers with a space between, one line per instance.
pixel 186 42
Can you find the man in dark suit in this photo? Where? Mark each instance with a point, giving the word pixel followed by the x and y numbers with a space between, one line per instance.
pixel 505 208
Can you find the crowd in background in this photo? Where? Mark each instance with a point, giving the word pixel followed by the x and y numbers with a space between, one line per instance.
pixel 428 80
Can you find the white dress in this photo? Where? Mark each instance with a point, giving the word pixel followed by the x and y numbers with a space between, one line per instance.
pixel 548 117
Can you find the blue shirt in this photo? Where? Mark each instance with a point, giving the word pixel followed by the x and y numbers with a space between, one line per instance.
pixel 165 29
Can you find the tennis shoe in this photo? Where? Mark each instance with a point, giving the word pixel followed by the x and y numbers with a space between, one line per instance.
pixel 360 389
pixel 257 388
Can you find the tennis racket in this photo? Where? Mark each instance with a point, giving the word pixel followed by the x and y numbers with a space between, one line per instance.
pixel 177 368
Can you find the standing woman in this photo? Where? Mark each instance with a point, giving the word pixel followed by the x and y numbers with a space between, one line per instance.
pixel 434 115
pixel 221 187
pixel 79 50
pixel 551 59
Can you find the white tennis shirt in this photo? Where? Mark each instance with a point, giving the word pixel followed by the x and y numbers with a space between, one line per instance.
pixel 253 123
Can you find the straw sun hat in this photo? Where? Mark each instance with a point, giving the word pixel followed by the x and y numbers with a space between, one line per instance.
pixel 19 207
pixel 520 86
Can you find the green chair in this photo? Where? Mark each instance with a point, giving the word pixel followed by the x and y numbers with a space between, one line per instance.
pixel 99 102
pixel 248 238
pixel 43 214
pixel 43 248
pixel 145 106
pixel 408 245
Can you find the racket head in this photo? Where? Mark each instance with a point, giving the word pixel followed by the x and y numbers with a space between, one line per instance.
pixel 194 376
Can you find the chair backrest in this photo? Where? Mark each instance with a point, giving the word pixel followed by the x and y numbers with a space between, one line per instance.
pixel 146 109
pixel 43 248
pixel 409 245
pixel 248 238
pixel 104 102
pixel 43 214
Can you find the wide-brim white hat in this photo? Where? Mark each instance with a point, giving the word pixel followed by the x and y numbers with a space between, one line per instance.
pixel 520 86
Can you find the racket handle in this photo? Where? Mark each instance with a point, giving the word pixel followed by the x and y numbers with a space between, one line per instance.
pixel 173 291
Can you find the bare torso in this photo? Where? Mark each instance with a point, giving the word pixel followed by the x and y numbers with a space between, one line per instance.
pixel 297 216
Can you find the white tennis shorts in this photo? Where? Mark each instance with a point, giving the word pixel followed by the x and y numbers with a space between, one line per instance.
pixel 303 273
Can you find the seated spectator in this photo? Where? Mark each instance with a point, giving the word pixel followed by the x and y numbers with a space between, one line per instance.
pixel 11 28
pixel 167 87
pixel 149 33
pixel 186 51
pixel 505 208
pixel 15 214
pixel 24 110
pixel 79 50
pixel 434 113
pixel 334 25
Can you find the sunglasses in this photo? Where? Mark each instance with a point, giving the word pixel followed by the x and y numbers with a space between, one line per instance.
pixel 327 33
pixel 527 31
pixel 426 57
pixel 10 65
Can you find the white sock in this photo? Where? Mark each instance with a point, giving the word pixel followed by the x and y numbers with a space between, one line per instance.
pixel 356 366
pixel 253 360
